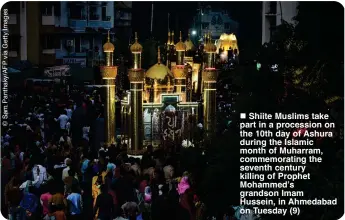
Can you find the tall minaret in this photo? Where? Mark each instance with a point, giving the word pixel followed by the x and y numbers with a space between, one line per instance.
pixel 168 51
pixel 109 73
pixel 136 78
pixel 209 78
pixel 179 70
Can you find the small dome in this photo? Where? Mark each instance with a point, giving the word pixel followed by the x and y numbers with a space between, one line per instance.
pixel 180 46
pixel 108 47
pixel 170 108
pixel 136 47
pixel 189 44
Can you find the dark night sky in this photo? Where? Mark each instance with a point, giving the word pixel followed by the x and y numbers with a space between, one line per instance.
pixel 247 14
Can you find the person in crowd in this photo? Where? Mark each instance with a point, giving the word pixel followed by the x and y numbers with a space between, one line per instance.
pixel 104 206
pixel 75 203
pixel 62 119
pixel 68 163
pixel 44 200
pixel 70 181
pixel 39 174
pixel 13 197
pixel 57 202
pixel 30 203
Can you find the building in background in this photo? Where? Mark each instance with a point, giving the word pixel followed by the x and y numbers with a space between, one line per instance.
pixel 123 37
pixel 56 33
pixel 24 42
pixel 273 13
pixel 123 26
pixel 77 33
pixel 214 21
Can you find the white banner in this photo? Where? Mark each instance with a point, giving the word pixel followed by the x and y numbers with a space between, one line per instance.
pixel 57 71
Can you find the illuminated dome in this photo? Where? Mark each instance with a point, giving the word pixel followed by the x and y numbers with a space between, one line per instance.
pixel 158 71
pixel 189 44
pixel 180 46
pixel 108 47
pixel 227 41
pixel 136 47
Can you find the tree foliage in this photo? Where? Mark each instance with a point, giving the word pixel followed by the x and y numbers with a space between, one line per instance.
pixel 310 53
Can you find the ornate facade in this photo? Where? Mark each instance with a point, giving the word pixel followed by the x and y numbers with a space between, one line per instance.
pixel 160 109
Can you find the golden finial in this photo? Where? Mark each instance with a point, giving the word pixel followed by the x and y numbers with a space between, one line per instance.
pixel 180 36
pixel 168 38
pixel 108 47
pixel 136 47
pixel 159 55
pixel 172 38
pixel 136 37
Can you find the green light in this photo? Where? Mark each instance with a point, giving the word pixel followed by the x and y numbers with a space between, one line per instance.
pixel 258 66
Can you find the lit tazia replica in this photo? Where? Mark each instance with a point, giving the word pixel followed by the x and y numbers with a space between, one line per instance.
pixel 162 107
pixel 159 108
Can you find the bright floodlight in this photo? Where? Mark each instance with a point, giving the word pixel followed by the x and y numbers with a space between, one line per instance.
pixel 194 32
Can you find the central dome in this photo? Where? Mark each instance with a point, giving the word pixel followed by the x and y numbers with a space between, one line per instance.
pixel 158 71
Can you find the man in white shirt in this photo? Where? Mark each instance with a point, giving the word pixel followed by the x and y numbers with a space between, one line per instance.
pixel 39 174
pixel 63 119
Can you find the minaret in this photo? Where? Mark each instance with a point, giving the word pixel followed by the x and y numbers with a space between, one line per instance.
pixel 155 82
pixel 109 73
pixel 168 51
pixel 136 78
pixel 179 70
pixel 172 42
pixel 180 51
pixel 209 78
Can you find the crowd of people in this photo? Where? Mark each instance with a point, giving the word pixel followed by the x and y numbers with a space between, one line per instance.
pixel 53 167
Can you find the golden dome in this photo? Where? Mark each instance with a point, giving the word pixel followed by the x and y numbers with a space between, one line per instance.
pixel 227 41
pixel 158 71
pixel 108 47
pixel 136 47
pixel 189 44
pixel 210 47
pixel 180 46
